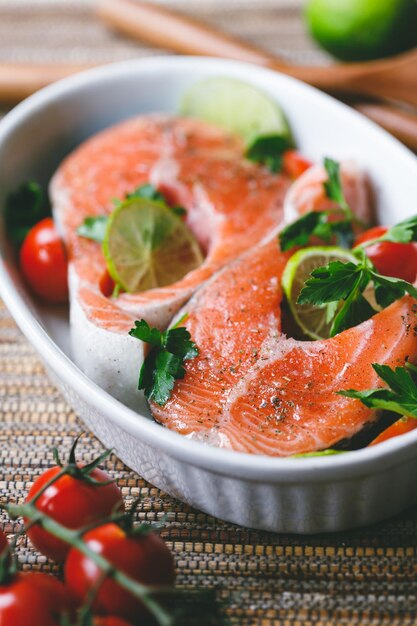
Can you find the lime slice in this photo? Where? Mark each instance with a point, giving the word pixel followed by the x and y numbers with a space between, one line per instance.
pixel 147 246
pixel 311 319
pixel 236 107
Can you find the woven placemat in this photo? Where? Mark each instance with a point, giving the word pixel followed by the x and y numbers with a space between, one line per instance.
pixel 364 577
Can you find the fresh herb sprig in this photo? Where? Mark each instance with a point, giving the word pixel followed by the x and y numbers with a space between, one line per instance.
pixel 346 282
pixel 25 207
pixel 333 185
pixel 165 362
pixel 322 224
pixel 317 224
pixel 150 192
pixel 268 150
pixel 94 227
pixel 403 232
pixel 400 395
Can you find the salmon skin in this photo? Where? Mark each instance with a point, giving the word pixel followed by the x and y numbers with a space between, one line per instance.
pixel 231 205
pixel 254 390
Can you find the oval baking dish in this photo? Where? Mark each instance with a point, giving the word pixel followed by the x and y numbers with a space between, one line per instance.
pixel 307 495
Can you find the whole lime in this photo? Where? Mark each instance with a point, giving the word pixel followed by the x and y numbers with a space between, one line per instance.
pixel 356 30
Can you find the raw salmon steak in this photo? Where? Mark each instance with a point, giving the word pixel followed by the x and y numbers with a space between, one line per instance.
pixel 231 205
pixel 307 193
pixel 254 390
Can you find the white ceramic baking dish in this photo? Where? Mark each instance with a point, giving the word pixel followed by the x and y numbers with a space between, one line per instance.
pixel 286 495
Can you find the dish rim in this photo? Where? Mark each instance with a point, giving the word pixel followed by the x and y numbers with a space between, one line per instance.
pixel 240 465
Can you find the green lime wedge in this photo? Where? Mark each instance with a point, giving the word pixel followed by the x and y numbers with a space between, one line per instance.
pixel 236 107
pixel 312 320
pixel 147 245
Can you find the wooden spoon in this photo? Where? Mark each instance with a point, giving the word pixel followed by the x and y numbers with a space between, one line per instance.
pixel 395 77
pixel 18 81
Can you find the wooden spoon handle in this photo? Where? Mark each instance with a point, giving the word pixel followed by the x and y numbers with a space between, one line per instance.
pixel 173 31
pixel 392 78
pixel 19 81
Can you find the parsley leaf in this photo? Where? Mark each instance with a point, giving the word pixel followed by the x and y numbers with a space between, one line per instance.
pixel 404 232
pixel 346 282
pixel 165 362
pixel 341 230
pixel 178 210
pixel 321 223
pixel 25 207
pixel 268 150
pixel 389 289
pixel 337 282
pixel 355 310
pixel 400 396
pixel 159 383
pixel 333 186
pixel 148 334
pixel 150 192
pixel 317 224
pixel 95 227
pixel 330 283
pixel 147 191
pixel 178 342
pixel 299 232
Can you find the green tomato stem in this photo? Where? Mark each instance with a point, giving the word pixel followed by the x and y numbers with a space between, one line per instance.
pixel 74 539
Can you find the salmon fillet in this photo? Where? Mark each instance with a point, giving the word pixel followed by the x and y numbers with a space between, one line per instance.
pixel 231 205
pixel 307 193
pixel 254 390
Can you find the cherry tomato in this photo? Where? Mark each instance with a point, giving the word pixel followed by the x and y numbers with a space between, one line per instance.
pixel 294 164
pixel 33 599
pixel 106 284
pixel 371 233
pixel 72 502
pixel 391 259
pixel 400 427
pixel 143 557
pixel 43 262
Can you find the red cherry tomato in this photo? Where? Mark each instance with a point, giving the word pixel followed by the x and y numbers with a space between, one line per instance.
pixel 143 557
pixel 106 284
pixel 33 599
pixel 72 502
pixel 294 164
pixel 371 233
pixel 43 262
pixel 391 259
pixel 400 427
